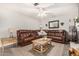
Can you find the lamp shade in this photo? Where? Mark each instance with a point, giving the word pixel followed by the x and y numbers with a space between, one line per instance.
pixel 11 29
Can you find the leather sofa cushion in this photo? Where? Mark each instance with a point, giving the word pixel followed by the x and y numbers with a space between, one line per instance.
pixel 24 35
pixel 55 34
pixel 29 38
pixel 51 34
pixel 56 37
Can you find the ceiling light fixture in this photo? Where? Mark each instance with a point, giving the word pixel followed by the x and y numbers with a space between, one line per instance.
pixel 35 4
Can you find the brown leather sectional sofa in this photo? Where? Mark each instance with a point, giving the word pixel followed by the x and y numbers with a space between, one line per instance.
pixel 25 37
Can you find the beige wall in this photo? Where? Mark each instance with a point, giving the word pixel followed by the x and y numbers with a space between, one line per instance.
pixel 12 16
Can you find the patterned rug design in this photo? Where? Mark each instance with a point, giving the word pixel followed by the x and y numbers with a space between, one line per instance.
pixel 56 49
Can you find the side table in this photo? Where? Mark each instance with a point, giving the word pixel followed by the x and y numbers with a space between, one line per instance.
pixel 7 42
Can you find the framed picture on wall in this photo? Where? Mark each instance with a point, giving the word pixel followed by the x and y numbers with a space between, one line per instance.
pixel 54 24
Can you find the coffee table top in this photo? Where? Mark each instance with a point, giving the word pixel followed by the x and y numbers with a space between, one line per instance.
pixel 42 40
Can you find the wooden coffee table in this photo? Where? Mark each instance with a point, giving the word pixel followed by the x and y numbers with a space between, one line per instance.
pixel 41 45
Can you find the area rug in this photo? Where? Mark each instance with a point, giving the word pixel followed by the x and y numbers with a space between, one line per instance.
pixel 6 52
pixel 66 50
pixel 56 49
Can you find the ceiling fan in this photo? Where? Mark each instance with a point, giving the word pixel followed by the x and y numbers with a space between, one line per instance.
pixel 43 9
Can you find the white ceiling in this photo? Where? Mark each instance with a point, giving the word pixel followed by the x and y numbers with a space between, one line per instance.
pixel 30 10
pixel 29 6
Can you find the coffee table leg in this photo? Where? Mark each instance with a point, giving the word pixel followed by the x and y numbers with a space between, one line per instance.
pixel 33 46
pixel 50 42
pixel 41 48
